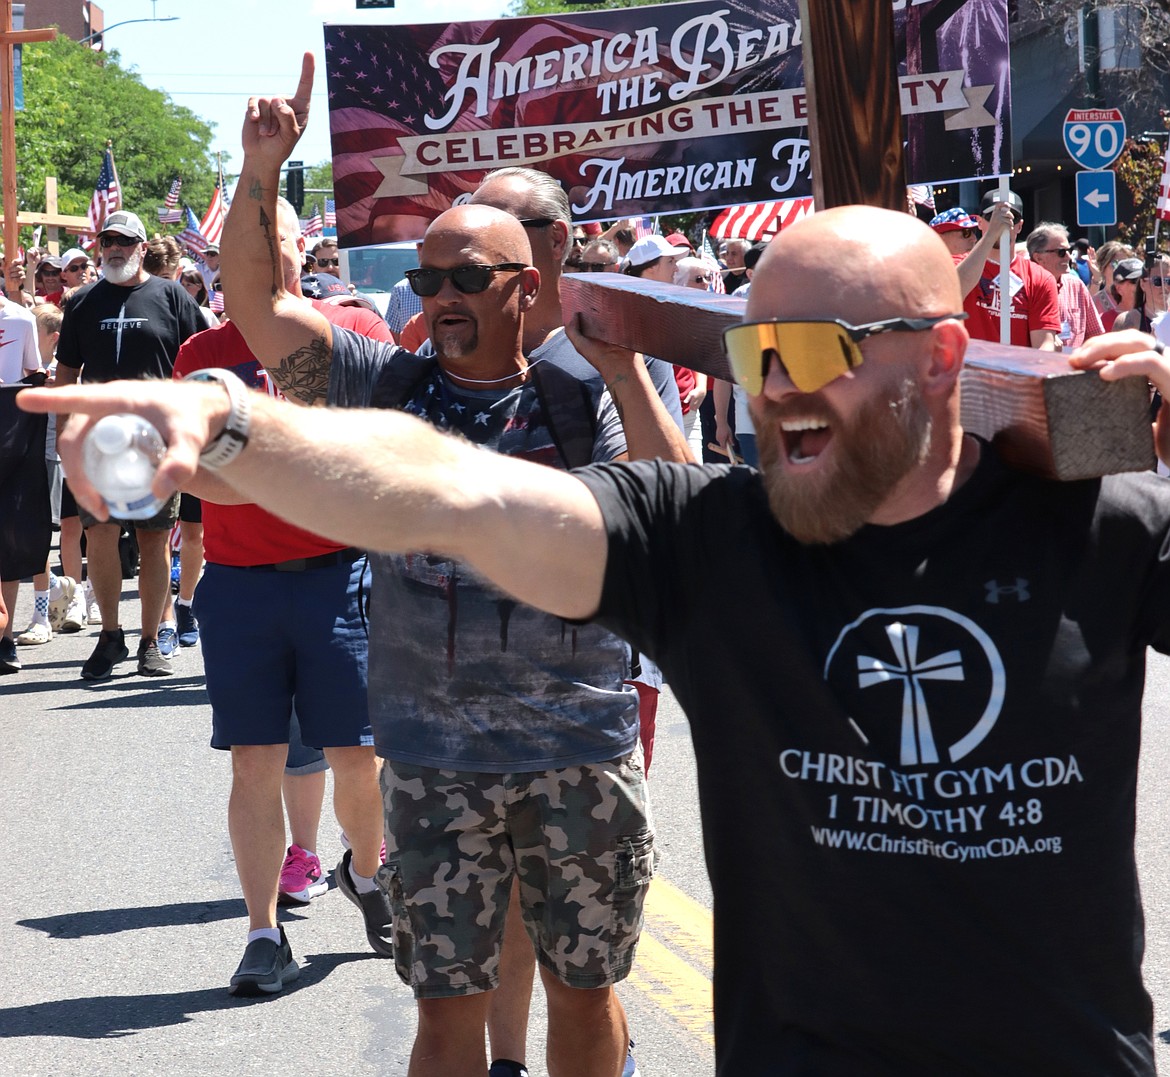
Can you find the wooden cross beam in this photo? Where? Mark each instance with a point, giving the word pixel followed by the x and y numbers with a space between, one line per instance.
pixel 8 39
pixel 854 105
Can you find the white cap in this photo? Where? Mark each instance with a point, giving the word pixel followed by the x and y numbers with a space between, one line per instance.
pixel 649 248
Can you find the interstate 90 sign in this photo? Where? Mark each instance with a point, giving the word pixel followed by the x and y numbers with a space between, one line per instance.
pixel 1094 137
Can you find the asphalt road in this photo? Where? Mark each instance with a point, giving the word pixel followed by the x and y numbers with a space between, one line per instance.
pixel 121 921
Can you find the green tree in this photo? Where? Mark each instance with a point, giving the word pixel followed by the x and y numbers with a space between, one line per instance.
pixel 77 99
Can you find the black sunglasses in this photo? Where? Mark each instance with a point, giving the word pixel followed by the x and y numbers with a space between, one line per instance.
pixel 328 261
pixel 116 239
pixel 537 222
pixel 597 267
pixel 1160 282
pixel 469 279
pixel 1057 250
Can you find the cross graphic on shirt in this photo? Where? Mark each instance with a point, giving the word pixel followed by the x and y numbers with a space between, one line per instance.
pixel 917 737
pixel 118 324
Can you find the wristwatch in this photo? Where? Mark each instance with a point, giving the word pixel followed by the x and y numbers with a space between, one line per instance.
pixel 230 441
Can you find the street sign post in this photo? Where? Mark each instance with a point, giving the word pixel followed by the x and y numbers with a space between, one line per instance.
pixel 1094 137
pixel 1096 198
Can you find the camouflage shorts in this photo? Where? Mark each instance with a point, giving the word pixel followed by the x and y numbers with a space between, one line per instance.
pixel 580 839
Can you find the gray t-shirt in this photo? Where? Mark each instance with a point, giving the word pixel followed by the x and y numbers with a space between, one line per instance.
pixel 462 676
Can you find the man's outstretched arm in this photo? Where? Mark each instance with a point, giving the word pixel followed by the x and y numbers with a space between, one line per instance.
pixel 374 479
pixel 291 339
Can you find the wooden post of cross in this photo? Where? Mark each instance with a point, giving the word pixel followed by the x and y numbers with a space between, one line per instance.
pixel 854 108
pixel 8 39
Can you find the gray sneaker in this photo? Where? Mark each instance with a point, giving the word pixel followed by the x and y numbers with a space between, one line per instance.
pixel 150 661
pixel 266 967
pixel 375 908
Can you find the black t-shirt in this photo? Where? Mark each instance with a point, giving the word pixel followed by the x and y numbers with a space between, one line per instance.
pixel 127 332
pixel 917 756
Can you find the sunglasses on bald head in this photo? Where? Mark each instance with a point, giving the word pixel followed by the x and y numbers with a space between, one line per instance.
pixel 811 353
pixel 468 279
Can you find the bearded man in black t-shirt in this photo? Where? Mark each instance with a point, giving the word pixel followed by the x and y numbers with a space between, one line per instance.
pixel 917 732
pixel 127 325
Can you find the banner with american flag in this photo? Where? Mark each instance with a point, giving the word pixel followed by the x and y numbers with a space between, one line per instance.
pixel 107 198
pixel 192 236
pixel 635 111
pixel 1163 208
pixel 169 212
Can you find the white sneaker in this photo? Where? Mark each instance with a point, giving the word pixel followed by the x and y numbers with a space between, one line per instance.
pixel 93 611
pixel 59 606
pixel 75 616
pixel 36 633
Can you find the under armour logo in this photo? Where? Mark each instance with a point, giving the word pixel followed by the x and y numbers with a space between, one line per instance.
pixel 995 590
pixel 917 737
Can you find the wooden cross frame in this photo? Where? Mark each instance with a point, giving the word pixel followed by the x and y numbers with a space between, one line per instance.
pixel 1043 416
pixel 8 39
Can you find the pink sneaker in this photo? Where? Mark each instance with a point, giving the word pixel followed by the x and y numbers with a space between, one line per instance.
pixel 300 878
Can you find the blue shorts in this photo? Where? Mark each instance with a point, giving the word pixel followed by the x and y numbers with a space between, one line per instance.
pixel 270 638
pixel 301 758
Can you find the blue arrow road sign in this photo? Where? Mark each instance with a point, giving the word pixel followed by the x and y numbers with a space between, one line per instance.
pixel 1094 137
pixel 1096 198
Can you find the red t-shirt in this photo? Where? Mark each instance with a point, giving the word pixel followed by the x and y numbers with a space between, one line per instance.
pixel 247 534
pixel 1034 304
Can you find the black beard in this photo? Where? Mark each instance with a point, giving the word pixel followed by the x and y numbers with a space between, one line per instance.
pixel 887 439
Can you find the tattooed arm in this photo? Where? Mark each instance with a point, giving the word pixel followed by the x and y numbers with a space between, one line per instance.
pixel 291 339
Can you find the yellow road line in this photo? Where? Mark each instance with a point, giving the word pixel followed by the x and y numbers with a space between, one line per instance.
pixel 679 919
pixel 679 990
pixel 677 922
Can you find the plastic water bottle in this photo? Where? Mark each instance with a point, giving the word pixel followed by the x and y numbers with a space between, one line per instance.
pixel 121 454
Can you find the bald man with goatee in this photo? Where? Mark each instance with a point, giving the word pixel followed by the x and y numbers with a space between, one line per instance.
pixel 917 730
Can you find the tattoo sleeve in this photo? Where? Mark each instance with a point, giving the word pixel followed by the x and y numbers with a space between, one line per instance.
pixel 304 375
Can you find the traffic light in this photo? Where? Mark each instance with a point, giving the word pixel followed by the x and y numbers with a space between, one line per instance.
pixel 295 185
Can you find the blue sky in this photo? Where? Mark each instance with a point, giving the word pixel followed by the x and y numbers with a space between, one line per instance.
pixel 220 51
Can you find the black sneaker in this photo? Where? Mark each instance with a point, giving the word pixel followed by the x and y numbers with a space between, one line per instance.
pixel 266 967
pixel 150 660
pixel 188 625
pixel 9 663
pixel 111 649
pixel 375 908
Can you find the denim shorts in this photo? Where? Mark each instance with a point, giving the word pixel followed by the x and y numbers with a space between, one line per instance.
pixel 270 639
pixel 579 839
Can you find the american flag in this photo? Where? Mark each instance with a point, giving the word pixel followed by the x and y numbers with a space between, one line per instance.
pixel 645 226
pixel 1163 208
pixel 707 253
pixel 760 220
pixel 169 212
pixel 312 226
pixel 921 194
pixel 107 198
pixel 191 236
pixel 211 227
pixel 330 213
pixel 216 300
